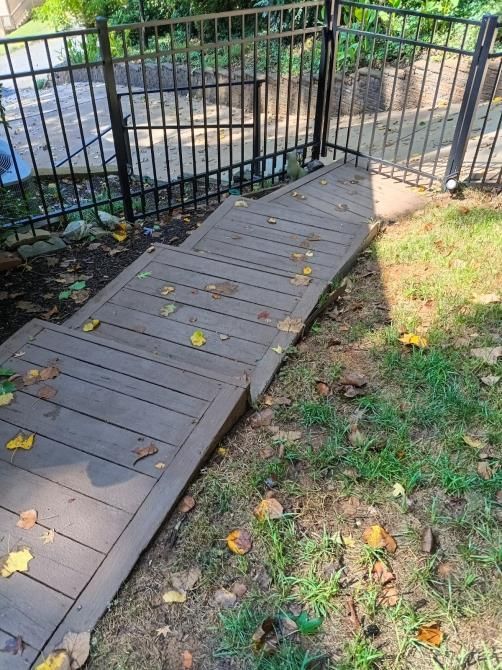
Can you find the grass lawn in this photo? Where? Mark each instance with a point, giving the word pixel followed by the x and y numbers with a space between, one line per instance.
pixel 382 462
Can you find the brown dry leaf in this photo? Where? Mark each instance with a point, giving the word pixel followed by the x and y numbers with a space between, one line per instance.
pixel 287 435
pixel 272 401
pixel 48 536
pixel 299 280
pixel 290 325
pixel 187 660
pixel 352 613
pixel 378 538
pixel 47 392
pixel 490 380
pixel 164 631
pixel 270 508
pixel 431 634
pixel 381 573
pixel 484 470
pixel 166 290
pixel 261 419
pixel 224 598
pixel 27 519
pixel 267 452
pixel 77 646
pixel 489 355
pixel 223 288
pixel 50 313
pixel 389 596
pixel 353 379
pixel 80 296
pixel 186 504
pixel 352 391
pixel 50 372
pixel 473 441
pixel 143 452
pixel 428 544
pixel 356 437
pixel 265 637
pixel 186 579
pixel 322 388
pixel 297 256
pixel 31 377
pixel 240 542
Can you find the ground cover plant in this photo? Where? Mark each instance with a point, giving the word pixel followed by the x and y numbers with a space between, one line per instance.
pixel 352 520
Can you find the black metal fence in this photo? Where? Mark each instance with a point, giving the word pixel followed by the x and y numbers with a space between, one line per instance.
pixel 143 118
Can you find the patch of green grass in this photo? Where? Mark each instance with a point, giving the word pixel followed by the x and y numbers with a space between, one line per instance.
pixel 360 654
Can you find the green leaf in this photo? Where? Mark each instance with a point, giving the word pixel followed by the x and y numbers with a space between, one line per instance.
pixel 143 275
pixel 64 295
pixel 7 387
pixel 77 286
pixel 168 309
pixel 307 626
pixel 6 372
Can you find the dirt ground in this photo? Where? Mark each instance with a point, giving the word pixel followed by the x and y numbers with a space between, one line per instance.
pixel 381 546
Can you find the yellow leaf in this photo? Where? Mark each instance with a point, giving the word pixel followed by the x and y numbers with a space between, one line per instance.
pixel 497 100
pixel 323 182
pixel 307 270
pixel 16 561
pixel 160 465
pixel 398 490
pixel 414 340
pixel 278 350
pixel 430 634
pixel 27 519
pixel 269 508
pixel 6 399
pixel 239 542
pixel 166 290
pixel 473 442
pixel 21 441
pixel 91 325
pixel 378 538
pixel 198 339
pixel 120 233
pixel 31 377
pixel 57 660
pixel 222 451
pixel 348 541
pixel 174 596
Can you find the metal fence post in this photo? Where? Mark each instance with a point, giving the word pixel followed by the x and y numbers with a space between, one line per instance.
pixel 256 165
pixel 323 84
pixel 473 89
pixel 116 120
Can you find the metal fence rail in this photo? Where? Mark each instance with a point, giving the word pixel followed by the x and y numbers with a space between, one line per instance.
pixel 142 118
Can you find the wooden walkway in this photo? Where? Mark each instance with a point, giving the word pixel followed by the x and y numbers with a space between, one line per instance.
pixel 137 381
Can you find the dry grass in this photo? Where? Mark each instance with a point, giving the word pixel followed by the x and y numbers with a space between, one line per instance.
pixel 422 275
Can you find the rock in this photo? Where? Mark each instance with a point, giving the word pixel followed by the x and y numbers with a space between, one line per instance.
pixel 9 260
pixel 77 230
pixel 13 242
pixel 108 220
pixel 313 165
pixel 41 248
pixel 98 232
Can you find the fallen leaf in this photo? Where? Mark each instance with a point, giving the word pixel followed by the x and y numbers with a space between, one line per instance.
pixel 398 490
pixel 186 579
pixel 224 338
pixel 160 465
pixel 414 340
pixel 14 646
pixel 186 504
pixel 271 220
pixel 6 372
pixel 143 452
pixel 428 544
pixel 49 536
pixel 240 542
pixel 487 299
pixel 57 660
pixel 50 313
pixel 261 419
pixel 166 290
pixel 80 297
pixel 143 275
pixel 224 598
pixel 445 569
pixel 290 325
pixel 91 325
pixel 473 441
pixel 240 203
pixel 378 538
pixel 27 519
pixel 297 256
pixel 388 596
pixel 299 280
pixel 323 182
pixel 352 613
pixel 278 350
pixel 353 379
pixel 287 435
pixel 490 380
pixel 164 631
pixel 307 270
pixel 489 355
pixel 15 561
pixel 198 339
pixel 6 399
pixel 322 388
pixel 381 573
pixel 187 660
pixel 355 436
pixel 263 315
pixel 269 508
pixel 223 288
pixel 267 452
pixel 167 309
pixel 484 470
pixel 174 596
pixel 77 645
pixel 21 441
pixel 31 377
pixel 120 233
pixel 431 634
pixel 50 372
pixel 239 589
pixel 46 392
pixel 279 400
pixel 265 637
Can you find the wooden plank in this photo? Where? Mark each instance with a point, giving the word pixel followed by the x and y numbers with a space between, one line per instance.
pixel 64 565
pixel 83 432
pixel 226 409
pixel 313 204
pixel 19 661
pixel 128 361
pixel 212 220
pixel 91 476
pixel 111 407
pixel 30 609
pixel 196 315
pixel 172 352
pixel 197 281
pixel 102 377
pixel 342 222
pixel 269 262
pixel 230 305
pixel 339 199
pixel 179 333
pixel 82 519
